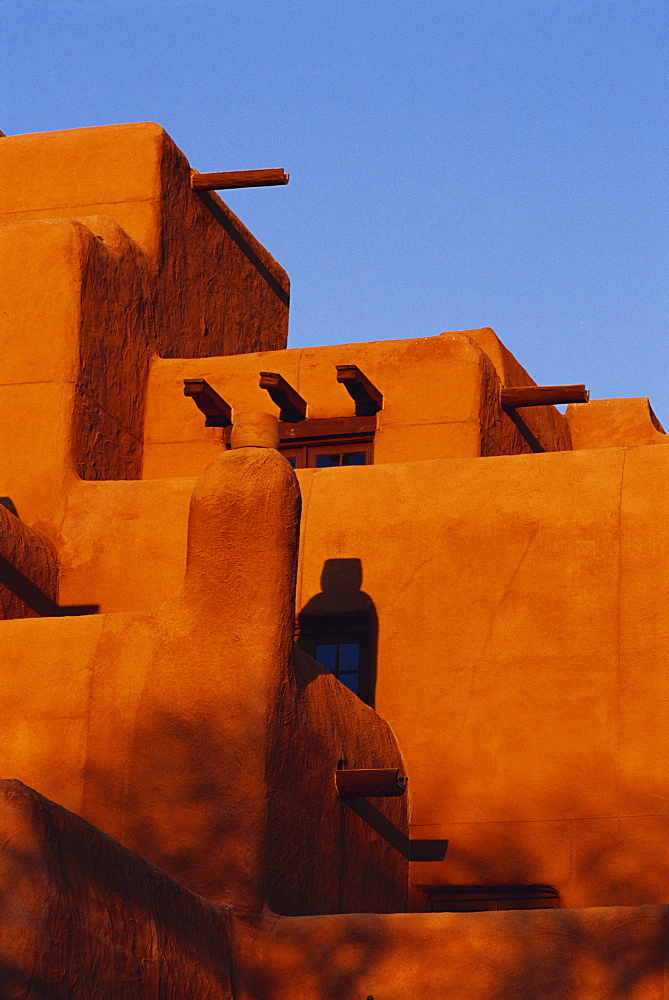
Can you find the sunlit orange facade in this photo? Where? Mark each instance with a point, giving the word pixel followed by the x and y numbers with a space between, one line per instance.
pixel 245 591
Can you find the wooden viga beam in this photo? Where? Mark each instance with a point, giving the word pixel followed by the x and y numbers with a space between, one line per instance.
pixel 217 411
pixel 292 406
pixel 373 782
pixel 238 179
pixel 368 399
pixel 543 395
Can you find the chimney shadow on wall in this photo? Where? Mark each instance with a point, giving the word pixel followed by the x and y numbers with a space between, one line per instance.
pixel 338 627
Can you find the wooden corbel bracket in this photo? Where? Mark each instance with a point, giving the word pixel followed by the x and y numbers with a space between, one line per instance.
pixel 217 412
pixel 368 399
pixel 293 408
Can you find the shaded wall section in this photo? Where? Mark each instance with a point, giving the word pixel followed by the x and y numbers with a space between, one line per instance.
pixel 614 953
pixel 28 569
pixel 82 917
pixel 189 734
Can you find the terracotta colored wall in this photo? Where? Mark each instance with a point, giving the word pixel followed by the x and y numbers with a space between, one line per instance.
pixel 521 651
pixel 522 657
pixel 107 256
pixel 614 423
pixel 606 954
pixel 82 917
pixel 322 856
pixel 217 290
pixel 28 564
pixel 164 723
pixel 440 400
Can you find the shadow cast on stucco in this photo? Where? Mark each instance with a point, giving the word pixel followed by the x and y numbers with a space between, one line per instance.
pixel 412 850
pixel 343 613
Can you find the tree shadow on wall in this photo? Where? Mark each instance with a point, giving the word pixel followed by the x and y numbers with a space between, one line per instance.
pixel 564 954
pixel 338 627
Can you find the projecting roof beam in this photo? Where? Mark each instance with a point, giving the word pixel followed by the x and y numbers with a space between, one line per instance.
pixel 543 395
pixel 238 179
pixel 368 399
pixel 377 782
pixel 218 413
pixel 293 408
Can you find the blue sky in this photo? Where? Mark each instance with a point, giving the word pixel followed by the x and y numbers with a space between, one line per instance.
pixel 453 164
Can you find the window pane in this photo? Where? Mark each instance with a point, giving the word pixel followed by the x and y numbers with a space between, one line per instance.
pixel 291 462
pixel 327 656
pixel 350 681
pixel 354 458
pixel 327 461
pixel 349 656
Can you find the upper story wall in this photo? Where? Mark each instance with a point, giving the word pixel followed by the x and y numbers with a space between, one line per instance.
pixel 108 257
pixel 441 400
pixel 216 289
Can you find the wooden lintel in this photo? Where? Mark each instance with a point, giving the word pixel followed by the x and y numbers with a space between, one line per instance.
pixel 229 179
pixel 370 782
pixel 543 395
pixel 368 399
pixel 291 405
pixel 322 430
pixel 217 412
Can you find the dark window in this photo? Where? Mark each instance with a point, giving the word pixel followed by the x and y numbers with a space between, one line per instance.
pixel 343 644
pixel 463 899
pixel 343 660
pixel 328 456
pixel 327 459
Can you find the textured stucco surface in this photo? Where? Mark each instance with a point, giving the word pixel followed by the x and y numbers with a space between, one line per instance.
pixel 34 556
pixel 108 257
pixel 522 638
pixel 187 732
pixel 441 399
pixel 83 918
pixel 611 423
pixel 591 954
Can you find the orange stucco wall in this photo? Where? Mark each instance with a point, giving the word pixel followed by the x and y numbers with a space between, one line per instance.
pixel 521 657
pixel 521 649
pixel 106 258
pixel 441 399
pixel 520 676
pixel 190 734
pixel 81 916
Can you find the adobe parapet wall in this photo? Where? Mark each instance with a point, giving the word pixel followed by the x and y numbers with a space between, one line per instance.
pixel 441 399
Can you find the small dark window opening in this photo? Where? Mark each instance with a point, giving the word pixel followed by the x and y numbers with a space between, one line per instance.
pixel 344 645
pixel 327 455
pixel 474 899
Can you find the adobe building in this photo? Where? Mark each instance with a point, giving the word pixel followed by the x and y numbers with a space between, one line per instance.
pixel 328 673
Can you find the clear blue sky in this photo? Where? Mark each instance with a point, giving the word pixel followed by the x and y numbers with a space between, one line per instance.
pixel 454 163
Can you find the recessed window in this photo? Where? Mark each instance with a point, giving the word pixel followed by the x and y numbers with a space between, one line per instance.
pixel 343 660
pixel 343 644
pixel 328 456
